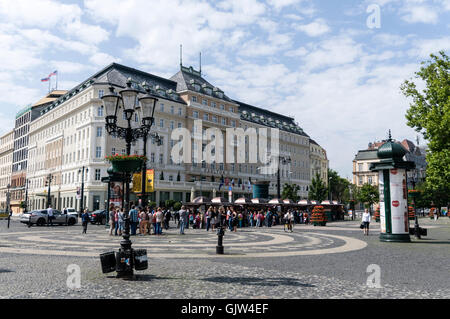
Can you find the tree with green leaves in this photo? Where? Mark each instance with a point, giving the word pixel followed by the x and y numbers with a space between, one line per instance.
pixel 429 114
pixel 318 190
pixel 338 186
pixel 290 191
pixel 368 194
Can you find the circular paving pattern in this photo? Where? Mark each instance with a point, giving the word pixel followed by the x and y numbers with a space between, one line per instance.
pixel 248 243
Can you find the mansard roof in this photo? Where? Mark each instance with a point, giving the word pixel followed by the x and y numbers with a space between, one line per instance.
pixel 192 80
pixel 268 118
pixel 117 75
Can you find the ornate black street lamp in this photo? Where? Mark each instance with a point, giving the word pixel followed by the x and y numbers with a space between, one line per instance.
pixel 128 101
pixel 48 183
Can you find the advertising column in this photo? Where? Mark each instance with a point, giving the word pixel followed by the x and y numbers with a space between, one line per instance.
pixel 399 202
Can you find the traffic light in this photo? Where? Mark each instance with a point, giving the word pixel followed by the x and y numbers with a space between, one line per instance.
pixel 46 183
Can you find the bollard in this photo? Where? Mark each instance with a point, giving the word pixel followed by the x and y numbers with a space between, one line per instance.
pixel 219 247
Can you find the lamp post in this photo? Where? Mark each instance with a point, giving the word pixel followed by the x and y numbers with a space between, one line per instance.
pixel 285 160
pixel 127 100
pixel 81 170
pixel 8 199
pixel 48 183
pixel 25 209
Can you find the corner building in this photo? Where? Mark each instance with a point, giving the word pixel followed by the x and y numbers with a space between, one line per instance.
pixel 70 134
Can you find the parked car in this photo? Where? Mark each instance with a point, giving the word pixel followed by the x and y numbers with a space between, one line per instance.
pixel 40 217
pixel 70 211
pixel 98 217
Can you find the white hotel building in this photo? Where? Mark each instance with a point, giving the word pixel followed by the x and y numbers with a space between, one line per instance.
pixel 70 134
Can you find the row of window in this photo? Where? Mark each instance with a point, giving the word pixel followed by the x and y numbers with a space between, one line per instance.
pixel 206 102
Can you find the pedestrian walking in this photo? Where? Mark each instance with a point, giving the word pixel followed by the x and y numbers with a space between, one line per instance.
pixel 167 216
pixel 208 216
pixel 150 224
pixel 112 221
pixel 143 222
pixel 234 221
pixel 85 220
pixel 121 220
pixel 366 221
pixel 159 219
pixel 183 219
pixel 116 221
pixel 134 220
pixel 50 215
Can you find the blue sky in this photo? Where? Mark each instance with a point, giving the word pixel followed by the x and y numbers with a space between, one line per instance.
pixel 317 61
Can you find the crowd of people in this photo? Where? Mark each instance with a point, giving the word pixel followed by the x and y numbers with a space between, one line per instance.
pixel 152 221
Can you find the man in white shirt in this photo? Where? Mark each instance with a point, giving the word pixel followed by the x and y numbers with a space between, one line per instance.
pixel 49 215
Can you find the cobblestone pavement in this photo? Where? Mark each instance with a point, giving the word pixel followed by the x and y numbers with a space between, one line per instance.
pixel 311 262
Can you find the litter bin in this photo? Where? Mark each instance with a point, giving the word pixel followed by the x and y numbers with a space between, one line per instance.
pixel 140 259
pixel 108 261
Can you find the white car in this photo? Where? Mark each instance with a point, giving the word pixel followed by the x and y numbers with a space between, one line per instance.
pixel 70 211
pixel 40 217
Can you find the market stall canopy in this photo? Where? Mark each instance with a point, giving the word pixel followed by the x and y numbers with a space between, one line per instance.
pixel 243 201
pixel 326 202
pixel 276 201
pixel 304 202
pixel 201 200
pixel 288 201
pixel 219 200
pixel 259 201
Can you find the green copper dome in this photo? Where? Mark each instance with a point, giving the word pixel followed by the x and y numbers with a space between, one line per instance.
pixel 391 150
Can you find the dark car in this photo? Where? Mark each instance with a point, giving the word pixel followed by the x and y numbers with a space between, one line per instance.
pixel 98 217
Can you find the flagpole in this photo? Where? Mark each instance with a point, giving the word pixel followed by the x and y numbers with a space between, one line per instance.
pixel 57 80
pixel 49 83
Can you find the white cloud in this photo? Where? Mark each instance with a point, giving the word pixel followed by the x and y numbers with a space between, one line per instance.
pixel 92 34
pixel 314 29
pixel 332 52
pixel 422 48
pixel 102 59
pixel 420 14
pixel 38 13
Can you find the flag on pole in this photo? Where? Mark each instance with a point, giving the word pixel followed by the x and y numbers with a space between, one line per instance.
pixel 53 73
pixel 45 79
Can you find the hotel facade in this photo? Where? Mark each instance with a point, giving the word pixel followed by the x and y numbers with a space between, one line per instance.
pixel 68 138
